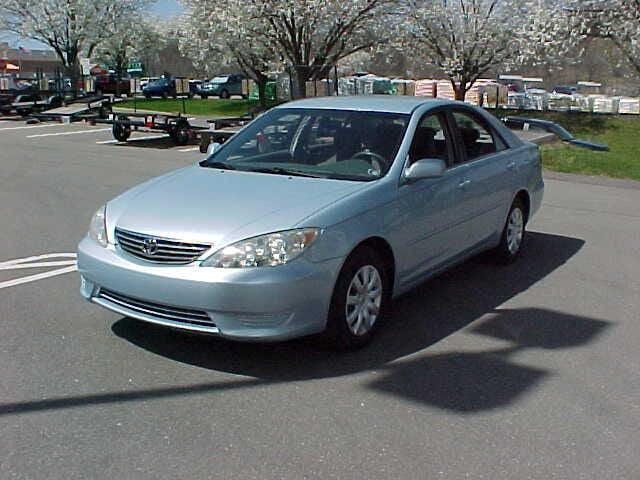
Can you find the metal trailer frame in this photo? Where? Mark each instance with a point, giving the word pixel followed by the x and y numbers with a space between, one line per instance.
pixel 178 126
pixel 83 108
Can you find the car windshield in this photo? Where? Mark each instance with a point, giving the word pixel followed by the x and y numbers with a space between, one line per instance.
pixel 338 144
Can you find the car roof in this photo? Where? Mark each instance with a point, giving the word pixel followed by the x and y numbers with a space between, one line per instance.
pixel 372 103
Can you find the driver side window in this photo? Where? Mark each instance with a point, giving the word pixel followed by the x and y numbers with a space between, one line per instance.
pixel 430 140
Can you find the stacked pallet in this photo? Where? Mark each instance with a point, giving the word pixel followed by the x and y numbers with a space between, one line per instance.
pixel 320 88
pixel 602 104
pixel 629 106
pixel 404 87
pixel 444 89
pixel 426 88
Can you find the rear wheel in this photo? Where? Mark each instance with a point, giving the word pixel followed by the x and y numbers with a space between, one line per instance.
pixel 224 94
pixel 121 132
pixel 513 234
pixel 359 300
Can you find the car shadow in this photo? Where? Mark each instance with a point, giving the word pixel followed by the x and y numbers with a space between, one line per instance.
pixel 431 312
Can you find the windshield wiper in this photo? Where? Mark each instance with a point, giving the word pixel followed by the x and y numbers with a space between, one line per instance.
pixel 221 165
pixel 286 171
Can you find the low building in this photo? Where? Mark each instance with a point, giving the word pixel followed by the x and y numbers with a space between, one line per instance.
pixel 30 61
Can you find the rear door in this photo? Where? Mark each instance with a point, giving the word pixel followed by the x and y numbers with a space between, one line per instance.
pixel 486 189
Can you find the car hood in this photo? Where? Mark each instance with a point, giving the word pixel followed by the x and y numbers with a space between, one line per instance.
pixel 214 206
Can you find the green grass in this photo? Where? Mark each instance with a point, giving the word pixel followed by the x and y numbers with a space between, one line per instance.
pixel 212 108
pixel 620 133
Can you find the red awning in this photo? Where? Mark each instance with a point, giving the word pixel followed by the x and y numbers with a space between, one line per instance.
pixel 4 65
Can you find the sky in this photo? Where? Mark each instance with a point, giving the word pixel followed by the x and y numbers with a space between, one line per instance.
pixel 162 8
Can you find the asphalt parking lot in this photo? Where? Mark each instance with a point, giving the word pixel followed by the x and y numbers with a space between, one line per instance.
pixel 521 372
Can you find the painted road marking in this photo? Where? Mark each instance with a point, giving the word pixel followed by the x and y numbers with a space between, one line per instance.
pixel 75 132
pixel 191 149
pixel 151 137
pixel 32 126
pixel 32 262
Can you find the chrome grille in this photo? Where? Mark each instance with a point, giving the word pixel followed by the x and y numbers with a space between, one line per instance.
pixel 158 249
pixel 166 312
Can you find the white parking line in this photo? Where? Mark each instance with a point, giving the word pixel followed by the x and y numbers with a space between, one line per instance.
pixel 151 137
pixel 21 263
pixel 75 132
pixel 191 149
pixel 33 126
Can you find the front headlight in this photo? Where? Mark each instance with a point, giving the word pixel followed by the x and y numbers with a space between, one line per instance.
pixel 264 251
pixel 98 228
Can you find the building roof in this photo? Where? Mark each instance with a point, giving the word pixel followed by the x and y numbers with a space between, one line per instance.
pixel 372 103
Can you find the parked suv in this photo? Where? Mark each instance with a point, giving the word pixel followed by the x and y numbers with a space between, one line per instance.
pixel 223 86
pixel 163 87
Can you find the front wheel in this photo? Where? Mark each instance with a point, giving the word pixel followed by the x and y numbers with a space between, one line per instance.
pixel 359 300
pixel 513 234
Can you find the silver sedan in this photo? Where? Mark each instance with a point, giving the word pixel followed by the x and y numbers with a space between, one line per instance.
pixel 313 218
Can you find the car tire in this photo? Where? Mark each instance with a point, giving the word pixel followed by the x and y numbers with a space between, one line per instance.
pixel 513 234
pixel 224 94
pixel 164 95
pixel 147 96
pixel 181 133
pixel 203 96
pixel 352 325
pixel 121 132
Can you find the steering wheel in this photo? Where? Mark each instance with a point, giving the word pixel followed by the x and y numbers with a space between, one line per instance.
pixel 378 162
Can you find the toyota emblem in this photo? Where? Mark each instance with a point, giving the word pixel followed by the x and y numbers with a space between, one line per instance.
pixel 149 246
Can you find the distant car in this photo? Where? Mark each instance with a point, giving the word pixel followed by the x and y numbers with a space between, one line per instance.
pixel 144 81
pixel 110 84
pixel 332 207
pixel 163 87
pixel 565 89
pixel 223 86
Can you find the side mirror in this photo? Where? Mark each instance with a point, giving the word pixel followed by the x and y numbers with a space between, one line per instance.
pixel 213 147
pixel 425 168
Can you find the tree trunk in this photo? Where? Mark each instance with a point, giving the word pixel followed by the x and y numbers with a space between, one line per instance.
pixel 262 93
pixel 301 75
pixel 460 92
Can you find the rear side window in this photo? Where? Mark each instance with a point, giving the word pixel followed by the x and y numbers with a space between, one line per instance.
pixel 476 136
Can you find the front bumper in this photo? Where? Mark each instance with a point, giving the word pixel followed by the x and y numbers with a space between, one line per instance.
pixel 260 304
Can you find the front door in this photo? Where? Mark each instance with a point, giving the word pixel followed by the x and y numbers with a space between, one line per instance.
pixel 429 224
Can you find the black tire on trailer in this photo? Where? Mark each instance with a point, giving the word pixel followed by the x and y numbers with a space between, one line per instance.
pixel 121 132
pixel 181 133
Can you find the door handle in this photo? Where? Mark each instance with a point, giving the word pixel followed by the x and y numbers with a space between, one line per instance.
pixel 464 184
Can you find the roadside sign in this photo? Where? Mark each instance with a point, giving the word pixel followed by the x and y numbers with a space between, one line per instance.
pixel 89 85
pixel 4 84
pixel 43 84
pixel 85 63
pixel 182 86
pixel 134 85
